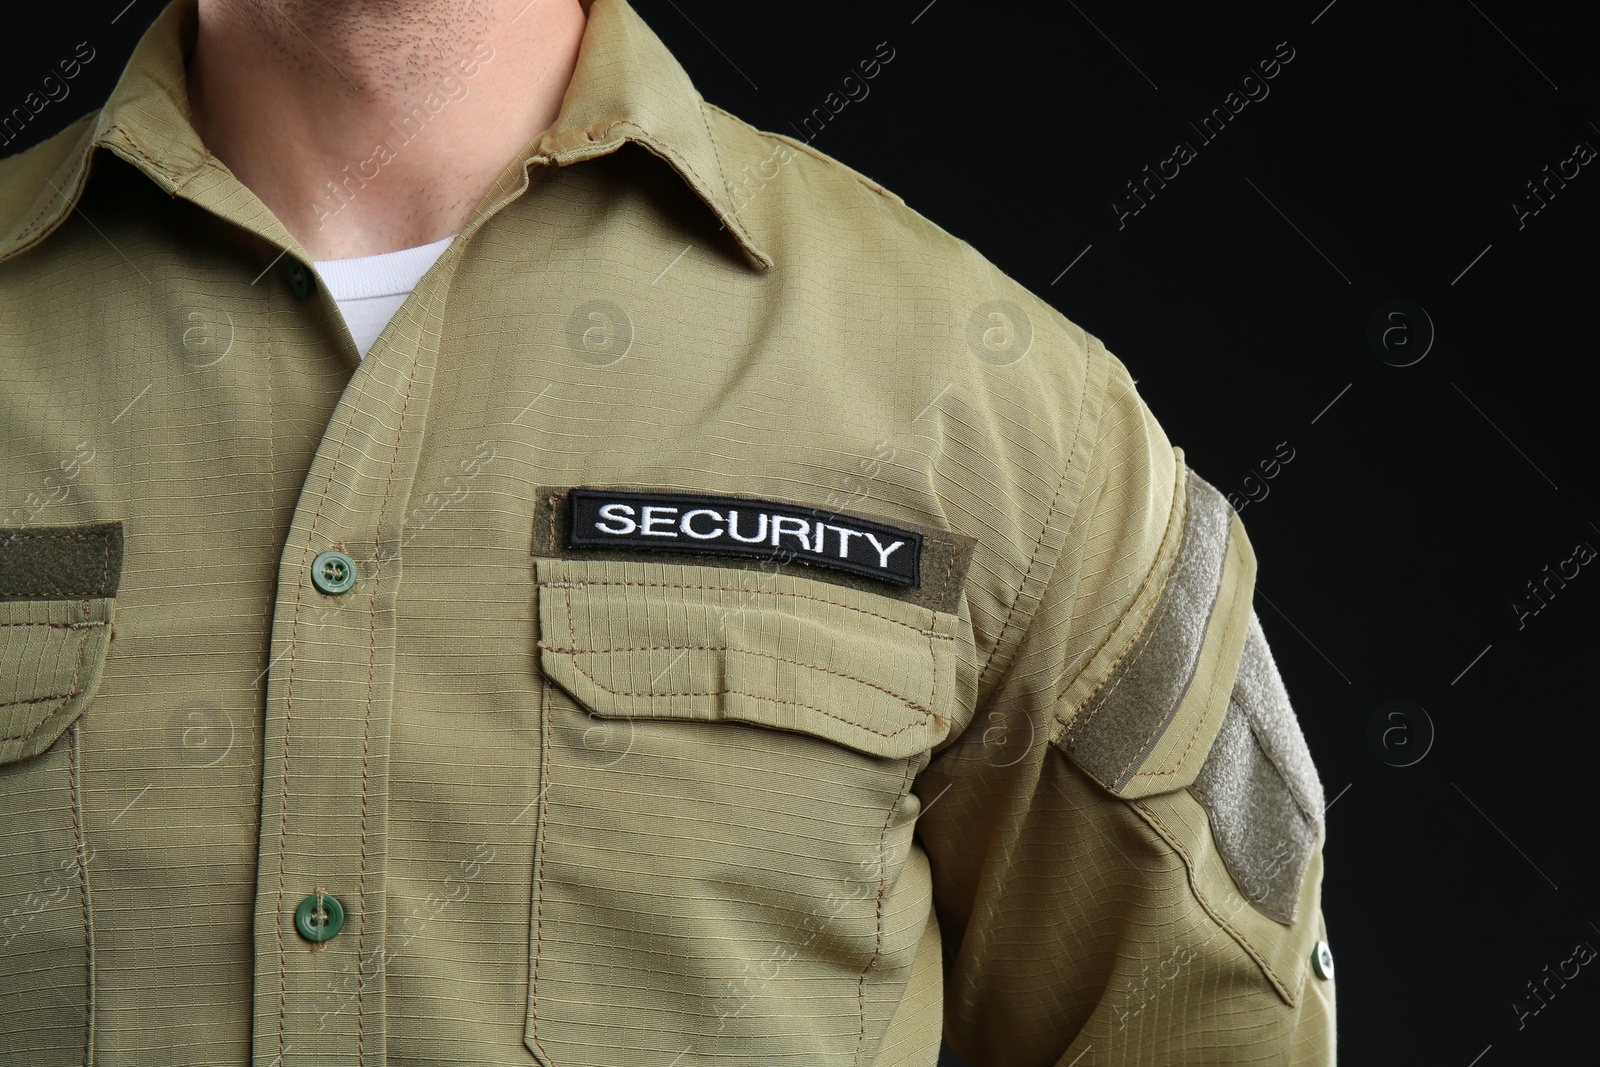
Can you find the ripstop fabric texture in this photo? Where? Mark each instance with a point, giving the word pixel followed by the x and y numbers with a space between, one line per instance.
pixel 594 807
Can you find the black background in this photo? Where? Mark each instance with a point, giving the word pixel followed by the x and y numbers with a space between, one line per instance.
pixel 1420 500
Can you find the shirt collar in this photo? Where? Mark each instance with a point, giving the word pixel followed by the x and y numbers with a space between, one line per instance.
pixel 626 87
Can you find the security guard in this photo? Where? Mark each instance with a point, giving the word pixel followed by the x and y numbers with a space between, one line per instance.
pixel 721 619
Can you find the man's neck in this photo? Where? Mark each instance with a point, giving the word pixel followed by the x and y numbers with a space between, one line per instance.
pixel 370 127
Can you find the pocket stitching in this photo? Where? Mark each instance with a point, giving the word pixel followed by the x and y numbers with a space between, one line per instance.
pixel 877 952
pixel 66 698
pixel 68 695
pixel 927 711
pixel 538 891
pixel 57 625
pixel 736 589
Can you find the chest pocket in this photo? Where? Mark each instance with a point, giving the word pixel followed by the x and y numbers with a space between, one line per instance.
pixel 56 608
pixel 724 811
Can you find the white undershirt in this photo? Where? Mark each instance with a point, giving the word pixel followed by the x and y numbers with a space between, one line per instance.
pixel 370 289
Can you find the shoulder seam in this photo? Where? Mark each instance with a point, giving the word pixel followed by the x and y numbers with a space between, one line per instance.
pixel 1010 622
pixel 814 153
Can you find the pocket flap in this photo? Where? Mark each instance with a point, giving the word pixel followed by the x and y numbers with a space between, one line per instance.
pixel 51 655
pixel 677 641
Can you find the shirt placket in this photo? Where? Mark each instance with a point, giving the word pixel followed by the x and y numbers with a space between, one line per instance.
pixel 320 949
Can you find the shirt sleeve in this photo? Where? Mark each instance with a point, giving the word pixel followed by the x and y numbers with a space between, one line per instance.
pixel 1126 840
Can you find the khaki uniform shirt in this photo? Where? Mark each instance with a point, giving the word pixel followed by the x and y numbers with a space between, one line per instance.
pixel 757 631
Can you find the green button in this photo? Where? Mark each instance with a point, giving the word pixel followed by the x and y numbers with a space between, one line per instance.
pixel 301 281
pixel 319 917
pixel 1322 960
pixel 333 572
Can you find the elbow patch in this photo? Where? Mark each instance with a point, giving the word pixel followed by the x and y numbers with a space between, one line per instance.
pixel 1196 701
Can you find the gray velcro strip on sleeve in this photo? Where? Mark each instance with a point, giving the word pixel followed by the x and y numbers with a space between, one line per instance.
pixel 1121 723
pixel 60 562
pixel 1260 789
pixel 1259 689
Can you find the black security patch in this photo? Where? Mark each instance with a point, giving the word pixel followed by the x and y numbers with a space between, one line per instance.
pixel 744 526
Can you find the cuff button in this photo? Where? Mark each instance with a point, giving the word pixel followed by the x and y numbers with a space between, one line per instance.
pixel 1322 960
